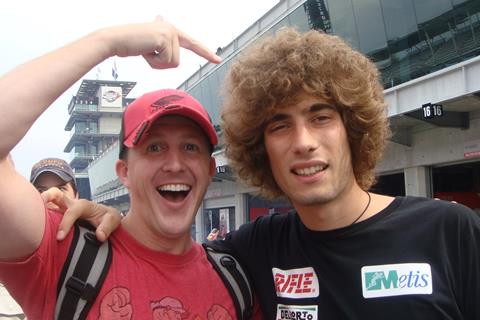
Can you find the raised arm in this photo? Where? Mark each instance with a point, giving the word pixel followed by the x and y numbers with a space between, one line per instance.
pixel 30 88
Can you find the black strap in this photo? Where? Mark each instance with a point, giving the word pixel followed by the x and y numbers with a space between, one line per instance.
pixel 82 275
pixel 234 278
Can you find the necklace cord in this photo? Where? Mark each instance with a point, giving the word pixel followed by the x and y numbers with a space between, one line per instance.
pixel 364 210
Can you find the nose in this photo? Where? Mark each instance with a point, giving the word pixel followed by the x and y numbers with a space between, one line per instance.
pixel 173 162
pixel 304 140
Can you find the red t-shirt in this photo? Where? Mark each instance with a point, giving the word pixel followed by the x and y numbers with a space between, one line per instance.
pixel 141 283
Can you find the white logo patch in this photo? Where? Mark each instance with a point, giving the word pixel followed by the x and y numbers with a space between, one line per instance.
pixel 288 312
pixel 396 280
pixel 296 283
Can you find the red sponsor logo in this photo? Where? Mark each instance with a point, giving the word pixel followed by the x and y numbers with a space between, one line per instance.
pixel 296 282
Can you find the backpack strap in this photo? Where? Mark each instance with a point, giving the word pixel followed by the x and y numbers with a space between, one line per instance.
pixel 83 273
pixel 234 278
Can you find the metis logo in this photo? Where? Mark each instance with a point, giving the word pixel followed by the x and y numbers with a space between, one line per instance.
pixel 396 280
pixel 296 283
pixel 288 312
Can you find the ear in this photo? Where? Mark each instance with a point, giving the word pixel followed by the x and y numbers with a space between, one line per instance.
pixel 121 168
pixel 213 167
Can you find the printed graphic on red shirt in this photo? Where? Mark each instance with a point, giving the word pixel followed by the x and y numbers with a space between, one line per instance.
pixel 296 283
pixel 116 305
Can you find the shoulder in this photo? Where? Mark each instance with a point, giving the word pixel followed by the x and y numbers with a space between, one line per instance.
pixel 440 211
pixel 440 206
pixel 273 219
pixel 272 223
pixel 260 231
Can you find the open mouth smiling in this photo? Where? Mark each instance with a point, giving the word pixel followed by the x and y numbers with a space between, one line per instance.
pixel 174 192
pixel 305 172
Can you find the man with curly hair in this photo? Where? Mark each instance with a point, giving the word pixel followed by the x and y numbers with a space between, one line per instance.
pixel 305 119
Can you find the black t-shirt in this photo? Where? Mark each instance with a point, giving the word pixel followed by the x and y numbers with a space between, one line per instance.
pixel 416 259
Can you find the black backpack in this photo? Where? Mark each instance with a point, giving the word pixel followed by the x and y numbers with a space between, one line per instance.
pixel 89 260
pixel 83 273
pixel 234 278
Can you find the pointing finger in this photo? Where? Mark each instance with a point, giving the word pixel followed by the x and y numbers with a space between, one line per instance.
pixel 193 45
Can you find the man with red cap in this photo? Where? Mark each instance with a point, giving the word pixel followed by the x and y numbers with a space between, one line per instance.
pixel 166 163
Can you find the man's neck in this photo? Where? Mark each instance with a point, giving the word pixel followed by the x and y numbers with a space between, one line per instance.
pixel 155 240
pixel 348 208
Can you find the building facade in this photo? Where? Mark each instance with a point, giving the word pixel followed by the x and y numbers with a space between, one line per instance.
pixel 94 122
pixel 428 52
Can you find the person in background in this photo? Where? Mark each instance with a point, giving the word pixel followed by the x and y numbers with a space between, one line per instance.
pixel 213 235
pixel 54 178
pixel 54 173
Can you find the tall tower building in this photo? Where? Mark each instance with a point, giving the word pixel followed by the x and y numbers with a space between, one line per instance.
pixel 94 122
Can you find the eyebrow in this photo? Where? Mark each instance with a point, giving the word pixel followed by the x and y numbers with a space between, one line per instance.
pixel 277 117
pixel 320 106
pixel 316 107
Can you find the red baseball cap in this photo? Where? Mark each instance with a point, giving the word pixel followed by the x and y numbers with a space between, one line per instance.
pixel 139 116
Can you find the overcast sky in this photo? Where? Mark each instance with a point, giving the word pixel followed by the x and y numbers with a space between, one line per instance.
pixel 31 28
